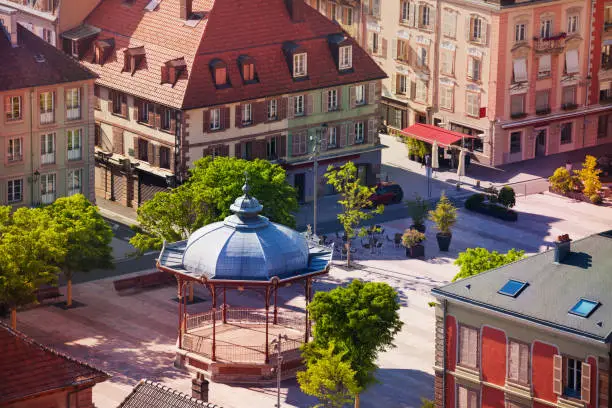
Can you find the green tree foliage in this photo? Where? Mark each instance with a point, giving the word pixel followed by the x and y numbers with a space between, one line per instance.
pixel 328 377
pixel 87 237
pixel 417 209
pixel 507 197
pixel 361 318
pixel 30 250
pixel 355 199
pixel 427 403
pixel 562 181
pixel 417 147
pixel 445 215
pixel 589 176
pixel 206 196
pixel 476 260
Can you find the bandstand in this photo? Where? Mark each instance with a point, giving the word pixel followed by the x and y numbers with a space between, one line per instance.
pixel 244 252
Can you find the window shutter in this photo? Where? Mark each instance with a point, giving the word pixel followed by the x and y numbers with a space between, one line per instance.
pixel 470 68
pixel 371 98
pixel 557 374
pixel 206 121
pixel 473 348
pixel 309 104
pixel 571 62
pixel 238 150
pixel 412 89
pixel 586 383
pixel 370 42
pixel 524 364
pixel 136 145
pixel 394 83
pixel 339 98
pixel 352 103
pixel 136 112
pixel 468 28
pixel 150 153
pixel 282 141
pixel 432 18
pixel 371 131
pixel 225 117
pixel 462 401
pixel 394 49
pixel 384 48
pixel 485 30
pixel 324 96
pixel 324 139
pixel 173 122
pixel 351 133
pixel 238 115
pixel 290 107
pixel 342 135
pixel 513 360
pixel 295 144
pixel 123 105
pixel 152 118
pixel 412 14
pixel 282 108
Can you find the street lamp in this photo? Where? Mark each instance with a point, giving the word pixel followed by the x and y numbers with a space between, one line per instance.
pixel 316 149
pixel 276 343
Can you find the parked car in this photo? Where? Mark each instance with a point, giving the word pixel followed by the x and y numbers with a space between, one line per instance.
pixel 387 193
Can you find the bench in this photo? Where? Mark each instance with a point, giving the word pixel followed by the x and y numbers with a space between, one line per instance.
pixel 144 281
pixel 47 292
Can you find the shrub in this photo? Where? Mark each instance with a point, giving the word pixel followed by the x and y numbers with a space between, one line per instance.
pixel 445 215
pixel 596 199
pixel 417 209
pixel 477 260
pixel 412 237
pixel 476 203
pixel 561 181
pixel 491 193
pixel 506 197
pixel 417 147
pixel 589 176
pixel 475 200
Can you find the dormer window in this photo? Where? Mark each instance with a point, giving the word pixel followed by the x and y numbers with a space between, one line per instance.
pixel 247 69
pixel 132 58
pixel 300 65
pixel 172 70
pixel 219 73
pixel 220 76
pixel 103 50
pixel 346 57
pixel 77 41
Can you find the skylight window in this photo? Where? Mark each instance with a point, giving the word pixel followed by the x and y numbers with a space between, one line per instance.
pixel 584 307
pixel 513 288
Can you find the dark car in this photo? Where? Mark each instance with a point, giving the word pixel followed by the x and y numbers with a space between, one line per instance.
pixel 387 193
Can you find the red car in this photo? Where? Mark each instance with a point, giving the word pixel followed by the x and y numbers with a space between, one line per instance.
pixel 387 193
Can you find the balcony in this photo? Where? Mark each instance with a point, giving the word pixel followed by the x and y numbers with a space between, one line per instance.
pixel 74 154
pixel 553 44
pixel 47 198
pixel 47 117
pixel 73 113
pixel 47 158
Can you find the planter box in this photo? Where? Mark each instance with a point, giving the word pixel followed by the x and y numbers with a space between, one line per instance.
pixel 417 251
pixel 574 195
pixel 492 210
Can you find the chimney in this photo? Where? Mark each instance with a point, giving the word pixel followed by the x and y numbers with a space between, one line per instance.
pixel 199 388
pixel 296 10
pixel 186 8
pixel 563 247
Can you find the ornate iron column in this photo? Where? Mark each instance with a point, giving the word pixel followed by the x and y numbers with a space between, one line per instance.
pixel 267 310
pixel 214 319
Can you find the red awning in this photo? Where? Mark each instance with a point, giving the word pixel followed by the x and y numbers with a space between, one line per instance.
pixel 429 133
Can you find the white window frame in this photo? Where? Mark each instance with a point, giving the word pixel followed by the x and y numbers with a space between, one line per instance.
pixel 422 57
pixel 332 137
pixel 74 144
pixel 520 32
pixel 73 103
pixel 403 84
pixel 574 368
pixel 15 149
pixel 573 22
pixel 299 105
pixel 544 66
pixel 425 16
pixel 74 188
pixel 572 62
pixel 546 27
pixel 12 195
pixel 215 119
pixel 332 100
pixel 472 101
pixel 517 347
pixel 272 109
pixel 12 114
pixel 474 68
pixel 346 57
pixel 360 98
pixel 405 11
pixel 519 67
pixel 247 114
pixel 476 29
pixel 48 187
pixel 447 63
pixel 47 148
pixel 359 132
pixel 472 359
pixel 446 97
pixel 300 65
pixel 421 90
pixel 47 107
pixel 449 24
pixel 349 16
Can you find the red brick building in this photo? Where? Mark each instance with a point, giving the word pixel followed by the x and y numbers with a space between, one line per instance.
pixel 35 376
pixel 534 333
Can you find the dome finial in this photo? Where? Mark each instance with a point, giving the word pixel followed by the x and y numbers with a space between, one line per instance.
pixel 245 187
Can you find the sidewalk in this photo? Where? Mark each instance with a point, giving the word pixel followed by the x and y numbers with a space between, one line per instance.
pixel 116 212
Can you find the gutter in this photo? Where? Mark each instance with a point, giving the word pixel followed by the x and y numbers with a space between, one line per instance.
pixel 518 316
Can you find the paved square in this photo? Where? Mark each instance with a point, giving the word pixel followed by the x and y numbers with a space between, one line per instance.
pixel 133 336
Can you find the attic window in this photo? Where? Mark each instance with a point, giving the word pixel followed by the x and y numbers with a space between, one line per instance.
pixel 584 307
pixel 247 69
pixel 132 59
pixel 300 65
pixel 513 288
pixel 103 50
pixel 172 70
pixel 346 57
pixel 219 73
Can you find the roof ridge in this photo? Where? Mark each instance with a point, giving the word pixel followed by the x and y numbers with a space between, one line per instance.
pixel 27 339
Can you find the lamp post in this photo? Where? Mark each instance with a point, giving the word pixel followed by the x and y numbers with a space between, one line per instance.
pixel 276 343
pixel 316 149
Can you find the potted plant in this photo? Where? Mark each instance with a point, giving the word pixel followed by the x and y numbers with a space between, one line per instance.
pixel 445 216
pixel 417 209
pixel 412 241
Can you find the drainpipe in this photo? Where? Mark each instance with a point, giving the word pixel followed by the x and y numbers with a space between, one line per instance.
pixel 589 67
pixel 31 147
pixel 436 57
pixel 444 306
pixel 609 377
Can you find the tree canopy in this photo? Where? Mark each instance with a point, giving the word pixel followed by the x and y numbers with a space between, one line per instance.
pixel 206 196
pixel 476 260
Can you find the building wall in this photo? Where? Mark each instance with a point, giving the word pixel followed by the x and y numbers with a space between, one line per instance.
pixel 62 399
pixel 29 130
pixel 73 12
pixel 490 379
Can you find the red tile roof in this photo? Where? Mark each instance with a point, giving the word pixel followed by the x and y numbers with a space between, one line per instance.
pixel 429 133
pixel 28 369
pixel 19 68
pixel 257 28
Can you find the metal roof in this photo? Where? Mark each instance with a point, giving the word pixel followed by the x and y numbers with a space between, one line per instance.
pixel 553 289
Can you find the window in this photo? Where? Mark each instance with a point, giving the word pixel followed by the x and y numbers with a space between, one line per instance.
pixel 572 24
pixel 74 48
pixel 332 100
pixel 447 62
pixel 574 378
pixel 422 57
pixel 584 307
pixel 215 119
pixel 402 84
pixel 568 96
pixel 164 157
pixel 520 70
pixel 147 112
pixel 220 76
pixel 271 150
pixel 74 143
pixel 248 71
pixel 520 32
pixel 48 36
pixel 247 114
pixel 46 108
pixel 446 97
pixel 602 126
pixel 47 148
pixel 73 103
pixel 405 11
pixel 14 149
pixel 299 143
pixel 299 105
pixel 466 397
pixel 517 104
pixel 360 95
pixel 474 65
pixel 473 104
pixel 606 61
pixel 546 28
pixel 143 150
pixel 15 191
pixel 566 133
pixel 375 43
pixel 272 109
pixel 346 57
pixel 402 51
pixel 12 107
pixel 518 362
pixel 571 62
pixel 542 105
pixel 332 137
pixel 166 119
pixel 468 346
pixel 449 24
pixel 117 99
pixel 299 65
pixel 421 90
pixel 544 66
pixel 47 188
pixel 476 29
pixel 425 17
pixel 512 288
pixel 75 177
pixel 359 135
pixel 349 16
pixel 98 135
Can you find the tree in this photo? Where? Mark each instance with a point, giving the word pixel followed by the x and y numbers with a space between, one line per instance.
pixel 444 215
pixel 476 260
pixel 87 237
pixel 328 377
pixel 206 196
pixel 355 198
pixel 30 250
pixel 361 318
pixel 507 197
pixel 417 147
pixel 589 176
pixel 562 181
